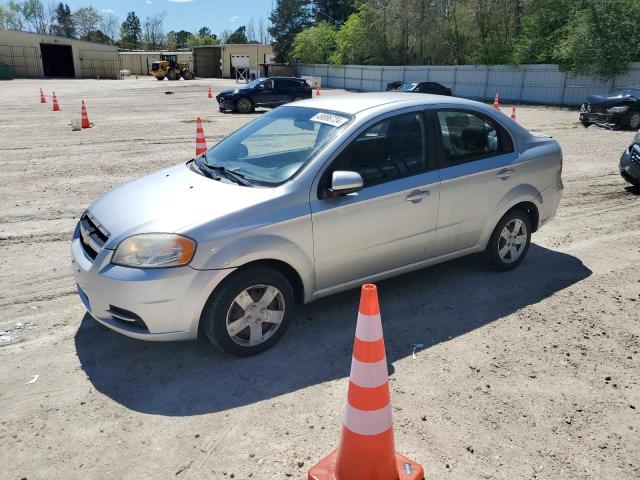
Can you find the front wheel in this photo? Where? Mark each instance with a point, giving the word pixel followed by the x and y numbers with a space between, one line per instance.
pixel 187 75
pixel 510 240
pixel 633 122
pixel 244 105
pixel 249 311
pixel 160 78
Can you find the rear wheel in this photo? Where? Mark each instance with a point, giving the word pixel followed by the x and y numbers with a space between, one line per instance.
pixel 510 240
pixel 297 99
pixel 187 75
pixel 160 78
pixel 249 311
pixel 244 105
pixel 172 74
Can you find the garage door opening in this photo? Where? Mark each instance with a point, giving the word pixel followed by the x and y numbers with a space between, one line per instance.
pixel 57 60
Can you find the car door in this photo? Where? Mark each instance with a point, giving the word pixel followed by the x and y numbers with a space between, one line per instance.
pixel 391 222
pixel 284 91
pixel 264 94
pixel 476 158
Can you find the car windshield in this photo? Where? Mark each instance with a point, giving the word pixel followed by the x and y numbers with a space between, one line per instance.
pixel 634 92
pixel 255 82
pixel 273 148
pixel 407 87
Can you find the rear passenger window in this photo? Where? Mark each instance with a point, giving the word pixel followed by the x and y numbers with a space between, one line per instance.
pixel 287 85
pixel 391 149
pixel 468 136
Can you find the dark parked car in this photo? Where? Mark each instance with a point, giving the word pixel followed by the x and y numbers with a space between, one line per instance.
pixel 424 87
pixel 264 92
pixel 630 162
pixel 619 110
pixel 394 86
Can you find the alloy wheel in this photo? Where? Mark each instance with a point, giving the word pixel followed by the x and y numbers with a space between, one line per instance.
pixel 255 315
pixel 634 121
pixel 244 105
pixel 512 241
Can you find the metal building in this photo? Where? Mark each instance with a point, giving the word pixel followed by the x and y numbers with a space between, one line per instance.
pixel 35 55
pixel 226 61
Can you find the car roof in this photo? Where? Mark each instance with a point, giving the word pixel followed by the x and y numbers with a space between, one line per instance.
pixel 353 103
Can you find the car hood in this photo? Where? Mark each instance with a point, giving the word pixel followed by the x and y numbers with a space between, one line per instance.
pixel 609 99
pixel 231 90
pixel 171 201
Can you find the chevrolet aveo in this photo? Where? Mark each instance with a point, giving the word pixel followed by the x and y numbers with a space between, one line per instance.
pixel 313 198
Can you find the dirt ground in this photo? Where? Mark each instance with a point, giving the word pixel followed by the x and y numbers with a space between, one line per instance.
pixel 531 374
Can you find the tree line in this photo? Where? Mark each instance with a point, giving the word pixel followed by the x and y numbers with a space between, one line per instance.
pixel 582 36
pixel 86 23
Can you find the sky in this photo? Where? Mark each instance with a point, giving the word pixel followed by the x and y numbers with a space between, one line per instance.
pixel 188 15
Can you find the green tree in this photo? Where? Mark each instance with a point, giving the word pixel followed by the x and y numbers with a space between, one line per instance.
pixel 204 37
pixel 315 44
pixel 602 37
pixel 239 36
pixel 64 25
pixel 542 28
pixel 11 16
pixel 131 32
pixel 288 19
pixel 351 42
pixel 333 11
pixel 86 20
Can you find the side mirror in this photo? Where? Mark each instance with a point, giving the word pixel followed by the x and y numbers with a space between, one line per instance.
pixel 344 183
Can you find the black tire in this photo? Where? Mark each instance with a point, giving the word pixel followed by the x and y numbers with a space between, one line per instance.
pixel 585 124
pixel 187 75
pixel 221 303
pixel 160 78
pixel 297 99
pixel 497 242
pixel 173 74
pixel 633 121
pixel 244 105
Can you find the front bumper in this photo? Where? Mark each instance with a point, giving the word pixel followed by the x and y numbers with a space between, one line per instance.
pixel 166 303
pixel 616 119
pixel 630 164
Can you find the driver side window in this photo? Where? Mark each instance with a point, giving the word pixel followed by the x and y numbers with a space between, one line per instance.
pixel 388 150
pixel 268 84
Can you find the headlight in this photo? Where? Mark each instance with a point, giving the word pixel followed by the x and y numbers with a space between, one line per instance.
pixel 617 109
pixel 154 250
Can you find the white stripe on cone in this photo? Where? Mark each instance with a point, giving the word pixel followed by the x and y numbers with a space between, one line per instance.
pixel 369 327
pixel 372 422
pixel 369 375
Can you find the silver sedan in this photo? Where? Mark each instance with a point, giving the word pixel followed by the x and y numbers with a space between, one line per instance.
pixel 310 199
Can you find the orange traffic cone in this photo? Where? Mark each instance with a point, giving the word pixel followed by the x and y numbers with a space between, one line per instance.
pixel 317 89
pixel 366 450
pixel 209 95
pixel 201 142
pixel 56 107
pixel 513 113
pixel 43 99
pixel 85 119
pixel 496 101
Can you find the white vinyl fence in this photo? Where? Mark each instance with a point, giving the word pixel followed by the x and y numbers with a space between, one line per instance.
pixel 539 84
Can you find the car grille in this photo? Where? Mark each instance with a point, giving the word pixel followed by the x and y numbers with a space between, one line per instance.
pixel 591 108
pixel 93 236
pixel 635 156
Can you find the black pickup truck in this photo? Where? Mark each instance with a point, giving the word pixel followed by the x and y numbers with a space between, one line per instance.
pixel 621 110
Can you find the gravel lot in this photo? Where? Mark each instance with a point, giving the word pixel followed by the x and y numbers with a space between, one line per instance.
pixel 523 375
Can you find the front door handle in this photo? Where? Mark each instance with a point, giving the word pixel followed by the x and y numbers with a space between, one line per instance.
pixel 417 195
pixel 504 173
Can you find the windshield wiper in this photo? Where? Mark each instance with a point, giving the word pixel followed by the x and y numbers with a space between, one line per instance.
pixel 230 174
pixel 205 170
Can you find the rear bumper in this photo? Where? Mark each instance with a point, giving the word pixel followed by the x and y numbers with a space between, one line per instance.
pixel 165 303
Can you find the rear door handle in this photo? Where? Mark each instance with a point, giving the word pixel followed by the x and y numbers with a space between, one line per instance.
pixel 417 195
pixel 505 173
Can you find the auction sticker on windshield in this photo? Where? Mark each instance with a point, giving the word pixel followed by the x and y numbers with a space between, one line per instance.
pixel 329 119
